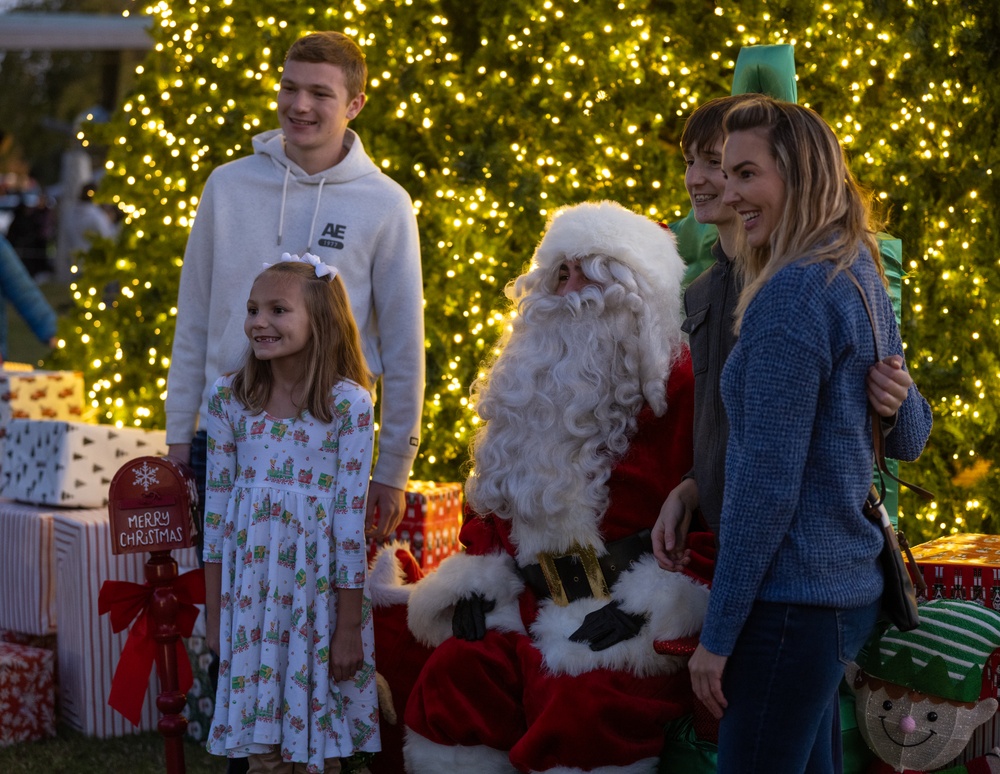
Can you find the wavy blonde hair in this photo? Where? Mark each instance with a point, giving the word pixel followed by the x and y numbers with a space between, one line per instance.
pixel 334 349
pixel 827 215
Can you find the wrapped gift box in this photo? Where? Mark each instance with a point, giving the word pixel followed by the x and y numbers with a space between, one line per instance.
pixel 41 394
pixel 27 394
pixel 88 649
pixel 27 569
pixel 431 523
pixel 70 463
pixel 967 566
pixel 27 694
pixel 964 566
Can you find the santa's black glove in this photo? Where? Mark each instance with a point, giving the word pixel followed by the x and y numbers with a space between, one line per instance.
pixel 469 620
pixel 608 626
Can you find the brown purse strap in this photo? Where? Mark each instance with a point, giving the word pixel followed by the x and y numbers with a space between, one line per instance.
pixel 878 432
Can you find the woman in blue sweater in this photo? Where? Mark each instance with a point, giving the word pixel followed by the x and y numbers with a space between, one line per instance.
pixel 797 582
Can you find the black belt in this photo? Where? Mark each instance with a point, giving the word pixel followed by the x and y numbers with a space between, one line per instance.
pixel 580 573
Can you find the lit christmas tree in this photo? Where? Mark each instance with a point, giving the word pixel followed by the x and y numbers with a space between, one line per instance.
pixel 492 115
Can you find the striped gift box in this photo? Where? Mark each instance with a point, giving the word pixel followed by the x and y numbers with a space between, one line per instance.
pixel 27 569
pixel 88 649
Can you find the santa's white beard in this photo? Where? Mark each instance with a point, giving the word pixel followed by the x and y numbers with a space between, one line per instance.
pixel 558 409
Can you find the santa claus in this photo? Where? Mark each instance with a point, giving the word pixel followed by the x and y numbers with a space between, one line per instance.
pixel 543 629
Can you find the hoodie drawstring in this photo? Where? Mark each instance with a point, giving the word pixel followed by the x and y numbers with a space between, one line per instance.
pixel 312 226
pixel 284 194
pixel 281 217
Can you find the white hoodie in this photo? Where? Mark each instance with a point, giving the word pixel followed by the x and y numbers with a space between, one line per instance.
pixel 353 217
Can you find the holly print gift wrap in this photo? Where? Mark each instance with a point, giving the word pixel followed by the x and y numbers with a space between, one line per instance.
pixel 27 694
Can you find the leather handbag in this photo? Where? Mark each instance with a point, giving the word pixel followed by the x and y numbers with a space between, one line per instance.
pixel 902 578
pixel 899 592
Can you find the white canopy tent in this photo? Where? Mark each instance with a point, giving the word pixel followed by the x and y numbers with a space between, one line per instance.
pixel 26 31
pixel 72 31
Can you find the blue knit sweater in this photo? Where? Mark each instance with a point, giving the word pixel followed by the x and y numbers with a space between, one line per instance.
pixel 799 461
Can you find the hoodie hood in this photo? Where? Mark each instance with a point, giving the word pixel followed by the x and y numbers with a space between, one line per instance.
pixel 353 166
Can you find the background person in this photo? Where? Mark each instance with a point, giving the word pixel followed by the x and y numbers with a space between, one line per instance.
pixel 89 219
pixel 19 289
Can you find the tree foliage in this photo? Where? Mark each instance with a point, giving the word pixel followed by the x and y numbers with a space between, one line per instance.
pixel 493 114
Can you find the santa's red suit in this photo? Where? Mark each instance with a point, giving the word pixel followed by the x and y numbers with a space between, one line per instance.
pixel 549 703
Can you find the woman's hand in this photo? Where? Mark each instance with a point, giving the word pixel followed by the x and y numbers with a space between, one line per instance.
pixel 706 670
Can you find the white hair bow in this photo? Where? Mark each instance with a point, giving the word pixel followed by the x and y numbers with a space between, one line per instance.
pixel 322 269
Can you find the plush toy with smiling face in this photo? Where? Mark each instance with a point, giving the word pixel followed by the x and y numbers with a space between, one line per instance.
pixel 921 694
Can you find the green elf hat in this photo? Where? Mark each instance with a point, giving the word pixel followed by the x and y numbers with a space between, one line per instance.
pixel 945 656
pixel 766 70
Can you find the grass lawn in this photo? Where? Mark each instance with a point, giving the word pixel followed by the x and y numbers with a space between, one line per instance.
pixel 70 752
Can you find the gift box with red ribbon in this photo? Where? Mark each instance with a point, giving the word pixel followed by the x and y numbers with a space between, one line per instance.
pixel 27 694
pixel 431 523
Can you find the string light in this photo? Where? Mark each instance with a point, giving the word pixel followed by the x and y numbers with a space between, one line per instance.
pixel 548 104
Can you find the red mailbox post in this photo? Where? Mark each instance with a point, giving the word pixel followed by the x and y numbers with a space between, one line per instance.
pixel 152 505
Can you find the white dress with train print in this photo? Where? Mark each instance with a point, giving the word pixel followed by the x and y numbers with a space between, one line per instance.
pixel 285 513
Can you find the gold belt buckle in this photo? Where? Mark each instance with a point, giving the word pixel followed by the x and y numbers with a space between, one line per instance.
pixel 591 568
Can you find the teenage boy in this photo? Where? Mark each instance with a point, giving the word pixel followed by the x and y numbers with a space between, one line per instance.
pixel 709 302
pixel 308 187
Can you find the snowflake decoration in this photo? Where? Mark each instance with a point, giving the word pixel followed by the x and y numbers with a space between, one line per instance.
pixel 145 476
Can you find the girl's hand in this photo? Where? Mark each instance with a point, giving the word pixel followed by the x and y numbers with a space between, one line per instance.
pixel 346 652
pixel 706 679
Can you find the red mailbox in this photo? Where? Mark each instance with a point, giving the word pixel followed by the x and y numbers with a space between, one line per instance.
pixel 152 506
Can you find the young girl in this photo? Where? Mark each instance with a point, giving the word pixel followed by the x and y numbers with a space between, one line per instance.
pixel 797 581
pixel 290 444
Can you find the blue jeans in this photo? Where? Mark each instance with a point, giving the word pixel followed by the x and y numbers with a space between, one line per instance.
pixel 781 687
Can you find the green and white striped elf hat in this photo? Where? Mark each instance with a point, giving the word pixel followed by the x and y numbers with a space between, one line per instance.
pixel 944 656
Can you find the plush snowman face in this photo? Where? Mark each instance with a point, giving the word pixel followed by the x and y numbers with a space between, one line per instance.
pixel 911 730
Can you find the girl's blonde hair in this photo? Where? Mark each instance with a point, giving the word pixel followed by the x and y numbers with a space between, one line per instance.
pixel 827 214
pixel 333 352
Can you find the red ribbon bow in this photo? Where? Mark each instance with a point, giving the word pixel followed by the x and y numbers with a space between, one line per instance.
pixel 131 601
